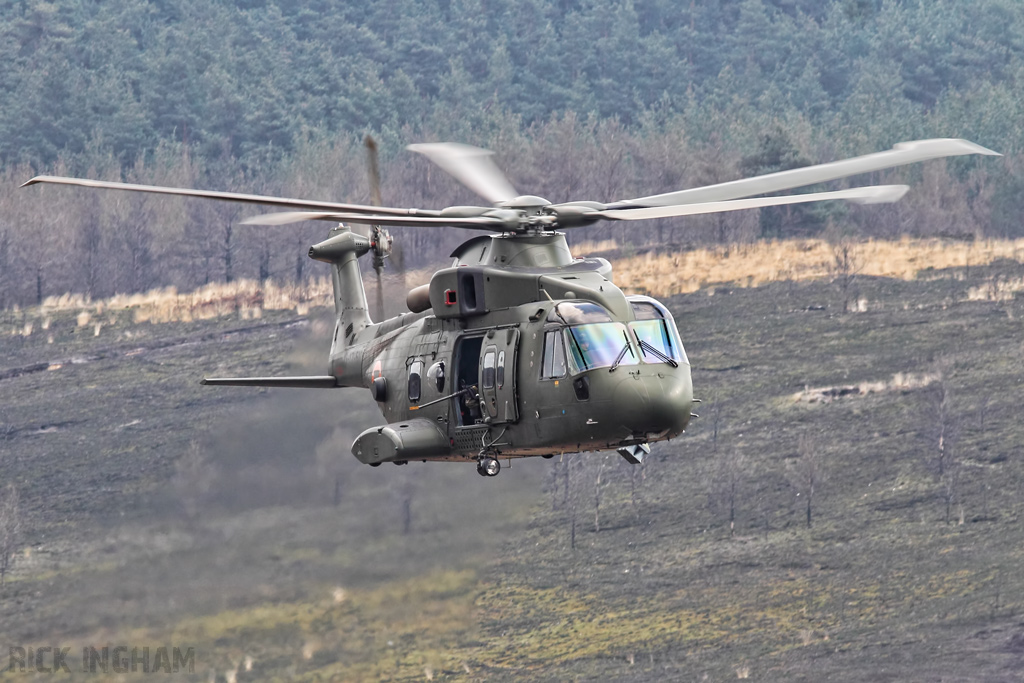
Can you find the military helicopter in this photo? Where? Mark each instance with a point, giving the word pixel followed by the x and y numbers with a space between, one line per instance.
pixel 518 349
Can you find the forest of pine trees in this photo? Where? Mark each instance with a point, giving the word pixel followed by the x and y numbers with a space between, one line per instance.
pixel 581 99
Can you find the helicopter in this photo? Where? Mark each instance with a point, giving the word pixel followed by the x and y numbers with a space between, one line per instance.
pixel 518 349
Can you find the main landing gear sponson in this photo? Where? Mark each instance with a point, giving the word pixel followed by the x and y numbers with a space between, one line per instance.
pixel 488 467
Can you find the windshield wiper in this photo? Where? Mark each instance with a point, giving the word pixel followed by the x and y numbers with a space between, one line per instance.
pixel 583 358
pixel 646 345
pixel 618 358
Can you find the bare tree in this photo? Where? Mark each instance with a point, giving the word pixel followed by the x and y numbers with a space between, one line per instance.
pixel 599 485
pixel 89 246
pixel 807 473
pixel 713 163
pixel 10 528
pixel 329 464
pixel 406 495
pixel 131 220
pixel 716 423
pixel 941 427
pixel 984 410
pixel 724 486
pixel 193 479
pixel 950 487
pixel 844 267
pixel 403 488
pixel 566 471
pixel 637 479
pixel 573 467
pixel 553 481
pixel 5 266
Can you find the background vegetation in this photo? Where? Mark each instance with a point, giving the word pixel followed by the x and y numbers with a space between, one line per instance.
pixel 594 99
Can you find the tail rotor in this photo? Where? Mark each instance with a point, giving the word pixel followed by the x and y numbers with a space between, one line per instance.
pixel 381 240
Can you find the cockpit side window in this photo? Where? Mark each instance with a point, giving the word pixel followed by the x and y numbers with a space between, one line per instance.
pixel 656 333
pixel 553 364
pixel 645 310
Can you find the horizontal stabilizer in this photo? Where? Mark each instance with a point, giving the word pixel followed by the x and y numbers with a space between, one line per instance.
pixel 318 382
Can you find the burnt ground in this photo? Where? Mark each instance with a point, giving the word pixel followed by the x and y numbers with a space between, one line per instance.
pixel 157 511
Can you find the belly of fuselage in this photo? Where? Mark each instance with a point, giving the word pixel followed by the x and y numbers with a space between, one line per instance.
pixel 632 404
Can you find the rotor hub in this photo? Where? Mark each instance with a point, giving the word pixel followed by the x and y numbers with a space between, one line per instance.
pixel 528 204
pixel 380 243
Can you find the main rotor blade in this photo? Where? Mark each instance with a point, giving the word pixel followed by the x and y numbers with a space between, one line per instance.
pixel 874 194
pixel 282 202
pixel 901 154
pixel 473 223
pixel 471 166
pixel 373 166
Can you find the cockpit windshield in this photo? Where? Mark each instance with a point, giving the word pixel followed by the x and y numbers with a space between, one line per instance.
pixel 599 345
pixel 655 331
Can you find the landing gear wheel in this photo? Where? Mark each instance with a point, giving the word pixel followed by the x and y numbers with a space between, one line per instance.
pixel 488 467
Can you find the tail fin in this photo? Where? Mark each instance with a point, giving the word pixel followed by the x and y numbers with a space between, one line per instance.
pixel 341 249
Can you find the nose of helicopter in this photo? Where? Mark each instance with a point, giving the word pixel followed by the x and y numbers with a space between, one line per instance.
pixel 655 403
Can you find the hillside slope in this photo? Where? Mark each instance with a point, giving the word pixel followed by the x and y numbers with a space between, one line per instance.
pixel 254 564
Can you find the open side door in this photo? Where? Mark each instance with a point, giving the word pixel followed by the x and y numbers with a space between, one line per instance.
pixel 498 375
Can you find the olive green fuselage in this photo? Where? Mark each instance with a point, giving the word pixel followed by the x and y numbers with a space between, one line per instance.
pixel 499 366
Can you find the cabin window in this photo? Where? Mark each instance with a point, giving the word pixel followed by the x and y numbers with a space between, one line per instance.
pixel 415 383
pixel 435 375
pixel 553 364
pixel 488 378
pixel 600 345
pixel 501 369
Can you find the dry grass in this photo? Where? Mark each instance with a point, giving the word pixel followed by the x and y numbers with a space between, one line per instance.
pixel 997 289
pixel 901 381
pixel 245 298
pixel 752 265
pixel 596 247
pixel 657 274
